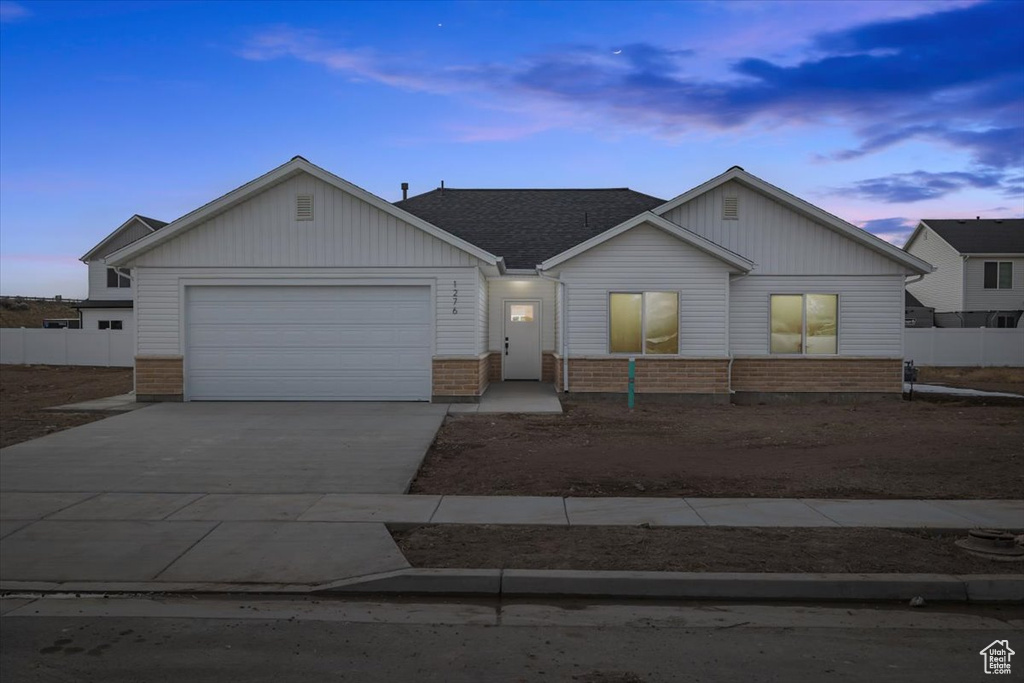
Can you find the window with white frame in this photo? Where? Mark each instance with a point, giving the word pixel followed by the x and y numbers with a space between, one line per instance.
pixel 998 274
pixel 111 325
pixel 117 278
pixel 643 322
pixel 804 324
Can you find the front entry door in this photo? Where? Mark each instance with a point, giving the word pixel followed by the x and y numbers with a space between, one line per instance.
pixel 521 359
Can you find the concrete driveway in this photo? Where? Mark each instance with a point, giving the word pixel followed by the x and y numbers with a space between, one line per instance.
pixel 232 448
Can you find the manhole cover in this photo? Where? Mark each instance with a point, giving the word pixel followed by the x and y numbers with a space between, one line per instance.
pixel 993 544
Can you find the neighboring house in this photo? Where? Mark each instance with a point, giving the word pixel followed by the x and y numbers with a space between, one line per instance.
pixel 302 286
pixel 979 277
pixel 917 314
pixel 109 305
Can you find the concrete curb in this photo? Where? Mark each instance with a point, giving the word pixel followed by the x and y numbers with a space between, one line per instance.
pixel 690 585
pixel 975 588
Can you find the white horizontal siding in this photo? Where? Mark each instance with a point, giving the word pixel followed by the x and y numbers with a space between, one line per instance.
pixel 776 238
pixel 92 316
pixel 481 313
pixel 870 312
pixel 159 307
pixel 345 232
pixel 977 298
pixel 943 289
pixel 507 289
pixel 98 284
pixel 646 259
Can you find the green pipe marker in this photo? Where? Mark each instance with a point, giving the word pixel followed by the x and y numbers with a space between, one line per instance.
pixel 632 380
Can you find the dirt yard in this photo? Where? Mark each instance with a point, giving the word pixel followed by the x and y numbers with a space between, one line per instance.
pixel 887 449
pixel 692 549
pixel 1010 380
pixel 15 312
pixel 26 390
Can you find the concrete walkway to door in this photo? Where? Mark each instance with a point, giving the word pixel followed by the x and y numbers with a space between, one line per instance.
pixel 512 397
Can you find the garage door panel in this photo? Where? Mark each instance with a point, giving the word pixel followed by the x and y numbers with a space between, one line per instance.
pixel 307 337
pixel 308 343
pixel 297 361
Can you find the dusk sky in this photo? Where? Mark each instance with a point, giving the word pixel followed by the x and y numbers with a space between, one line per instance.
pixel 879 112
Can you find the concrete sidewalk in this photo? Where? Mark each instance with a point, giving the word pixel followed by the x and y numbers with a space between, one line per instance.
pixel 956 391
pixel 19 510
pixel 192 541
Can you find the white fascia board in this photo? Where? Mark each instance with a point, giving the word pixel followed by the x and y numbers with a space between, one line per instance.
pixel 820 215
pixel 691 238
pixel 88 255
pixel 273 177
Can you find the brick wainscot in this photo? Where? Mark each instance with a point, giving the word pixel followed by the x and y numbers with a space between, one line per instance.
pixel 159 378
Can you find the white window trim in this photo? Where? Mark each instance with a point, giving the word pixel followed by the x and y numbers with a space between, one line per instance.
pixel 998 264
pixel 803 333
pixel 643 324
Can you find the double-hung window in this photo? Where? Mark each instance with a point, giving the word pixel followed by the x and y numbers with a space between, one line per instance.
pixel 643 322
pixel 804 323
pixel 110 325
pixel 117 278
pixel 998 274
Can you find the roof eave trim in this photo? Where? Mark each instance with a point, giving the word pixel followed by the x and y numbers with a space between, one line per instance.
pixel 681 233
pixel 282 172
pixel 89 254
pixel 839 225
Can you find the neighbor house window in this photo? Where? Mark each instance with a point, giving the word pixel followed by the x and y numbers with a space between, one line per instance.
pixel 804 323
pixel 1003 320
pixel 998 275
pixel 111 325
pixel 643 322
pixel 118 278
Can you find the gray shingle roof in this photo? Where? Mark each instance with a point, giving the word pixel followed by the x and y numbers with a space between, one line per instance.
pixel 527 226
pixel 984 236
pixel 152 222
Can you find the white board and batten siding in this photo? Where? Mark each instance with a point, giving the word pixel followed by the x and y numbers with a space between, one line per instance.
pixel 870 312
pixel 513 288
pixel 348 242
pixel 647 259
pixel 777 239
pixel 942 290
pixel 977 298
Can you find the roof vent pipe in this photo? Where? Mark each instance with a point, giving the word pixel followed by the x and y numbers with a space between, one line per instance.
pixel 442 187
pixel 586 220
pixel 405 191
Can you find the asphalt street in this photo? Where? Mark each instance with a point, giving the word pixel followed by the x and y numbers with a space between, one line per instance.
pixel 233 639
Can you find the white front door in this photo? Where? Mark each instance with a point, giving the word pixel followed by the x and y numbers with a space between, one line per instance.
pixel 521 359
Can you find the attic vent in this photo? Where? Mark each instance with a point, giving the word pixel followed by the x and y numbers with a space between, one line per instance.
pixel 304 207
pixel 730 208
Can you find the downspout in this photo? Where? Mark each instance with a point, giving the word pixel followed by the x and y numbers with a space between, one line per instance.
pixel 563 342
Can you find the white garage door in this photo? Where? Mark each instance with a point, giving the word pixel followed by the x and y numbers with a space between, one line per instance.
pixel 301 343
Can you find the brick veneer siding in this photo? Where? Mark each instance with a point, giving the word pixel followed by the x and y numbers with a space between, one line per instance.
pixel 461 377
pixel 818 375
pixel 654 375
pixel 494 366
pixel 547 367
pixel 159 378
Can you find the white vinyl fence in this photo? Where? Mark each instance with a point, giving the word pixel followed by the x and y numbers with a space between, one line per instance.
pixel 35 346
pixel 964 347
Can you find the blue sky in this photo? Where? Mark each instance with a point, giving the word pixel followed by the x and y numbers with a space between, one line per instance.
pixel 880 112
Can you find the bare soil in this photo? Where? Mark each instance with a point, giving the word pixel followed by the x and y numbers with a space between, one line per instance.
pixel 35 313
pixel 691 549
pixel 886 449
pixel 26 389
pixel 1009 380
